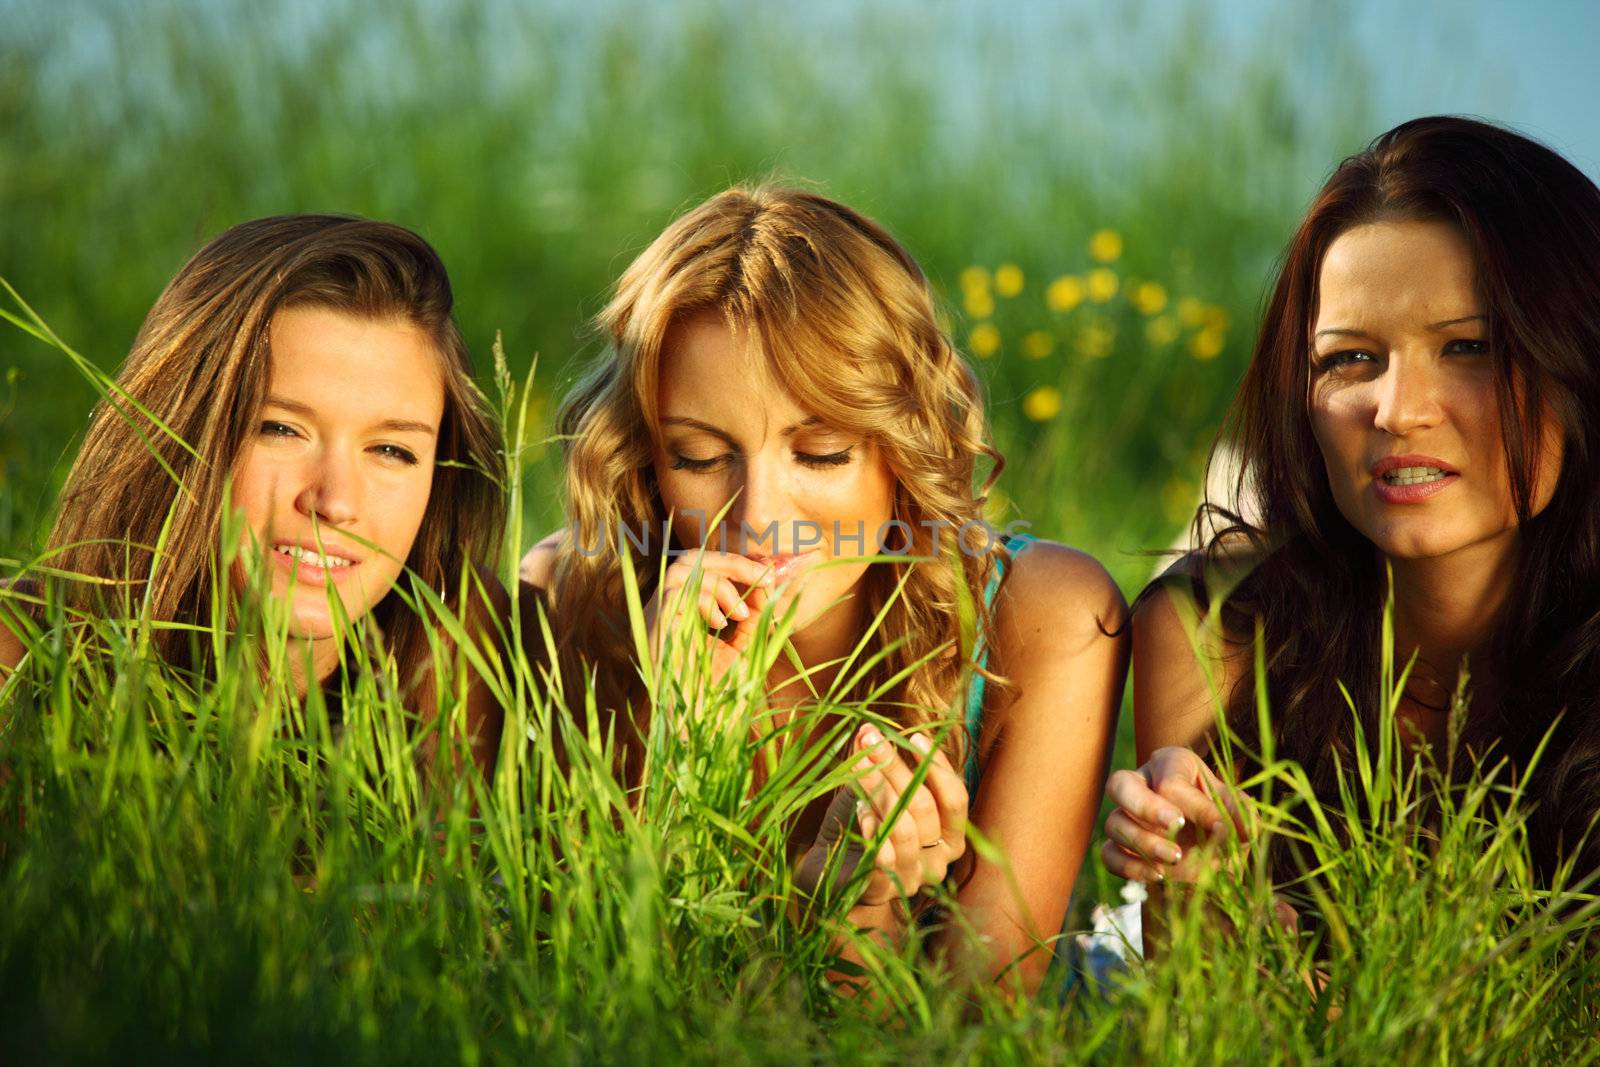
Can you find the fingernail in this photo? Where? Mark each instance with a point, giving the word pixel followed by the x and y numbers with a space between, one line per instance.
pixel 1175 822
pixel 870 736
pixel 741 611
pixel 718 619
pixel 921 743
pixel 1171 853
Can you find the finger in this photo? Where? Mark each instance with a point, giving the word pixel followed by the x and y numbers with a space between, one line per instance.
pixel 729 599
pixel 907 855
pixel 1199 808
pixel 1125 865
pixel 890 780
pixel 742 569
pixel 1135 838
pixel 1232 802
pixel 949 791
pixel 710 612
pixel 1130 791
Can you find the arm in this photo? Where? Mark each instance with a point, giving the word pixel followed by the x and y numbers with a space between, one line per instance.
pixel 1046 741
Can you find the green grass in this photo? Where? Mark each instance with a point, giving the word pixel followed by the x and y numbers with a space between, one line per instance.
pixel 195 866
pixel 198 865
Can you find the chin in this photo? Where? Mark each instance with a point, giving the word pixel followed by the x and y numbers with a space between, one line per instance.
pixel 1421 544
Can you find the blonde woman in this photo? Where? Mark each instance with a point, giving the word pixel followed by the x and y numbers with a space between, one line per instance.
pixel 773 358
pixel 308 365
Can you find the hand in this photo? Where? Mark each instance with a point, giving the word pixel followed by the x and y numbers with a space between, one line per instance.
pixel 1165 811
pixel 728 588
pixel 928 835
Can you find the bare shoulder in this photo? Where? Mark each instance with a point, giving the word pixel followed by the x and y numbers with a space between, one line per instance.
pixel 1055 587
pixel 1184 660
pixel 11 649
pixel 539 564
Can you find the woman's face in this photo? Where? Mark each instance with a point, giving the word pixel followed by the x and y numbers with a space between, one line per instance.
pixel 334 483
pixel 791 483
pixel 1403 395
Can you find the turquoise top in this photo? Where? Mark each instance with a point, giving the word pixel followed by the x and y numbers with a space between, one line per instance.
pixel 1016 544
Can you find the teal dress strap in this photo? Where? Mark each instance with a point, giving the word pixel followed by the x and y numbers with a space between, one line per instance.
pixel 1016 544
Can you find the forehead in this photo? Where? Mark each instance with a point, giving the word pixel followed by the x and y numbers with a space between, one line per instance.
pixel 355 367
pixel 719 375
pixel 1396 272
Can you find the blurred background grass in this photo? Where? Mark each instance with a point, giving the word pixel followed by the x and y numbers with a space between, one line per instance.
pixel 1097 191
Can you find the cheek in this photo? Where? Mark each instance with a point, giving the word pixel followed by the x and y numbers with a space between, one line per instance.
pixel 1336 426
pixel 401 509
pixel 254 483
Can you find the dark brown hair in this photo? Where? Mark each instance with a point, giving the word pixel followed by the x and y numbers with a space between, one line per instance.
pixel 200 364
pixel 1532 221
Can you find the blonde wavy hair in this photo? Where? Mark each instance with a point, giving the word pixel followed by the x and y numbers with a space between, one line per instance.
pixel 845 321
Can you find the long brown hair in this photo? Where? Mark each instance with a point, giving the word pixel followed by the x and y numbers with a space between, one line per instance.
pixel 200 365
pixel 845 321
pixel 1532 221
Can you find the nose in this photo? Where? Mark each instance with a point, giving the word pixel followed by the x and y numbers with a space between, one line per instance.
pixel 332 489
pixel 760 511
pixel 1407 396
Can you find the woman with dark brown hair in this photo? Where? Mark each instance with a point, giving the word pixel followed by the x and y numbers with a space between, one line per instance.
pixel 305 368
pixel 1422 402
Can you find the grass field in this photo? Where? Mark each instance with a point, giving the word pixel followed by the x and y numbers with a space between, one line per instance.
pixel 206 871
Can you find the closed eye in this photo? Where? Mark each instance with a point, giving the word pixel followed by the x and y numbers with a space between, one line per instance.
pixel 830 459
pixel 685 463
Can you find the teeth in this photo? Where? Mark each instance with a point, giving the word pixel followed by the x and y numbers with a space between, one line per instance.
pixel 1413 475
pixel 313 557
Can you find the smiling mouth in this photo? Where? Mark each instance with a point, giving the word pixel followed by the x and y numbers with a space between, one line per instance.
pixel 1414 475
pixel 327 561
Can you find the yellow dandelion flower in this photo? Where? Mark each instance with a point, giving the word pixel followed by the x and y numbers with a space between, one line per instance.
pixel 1038 344
pixel 1178 499
pixel 1149 298
pixel 1102 284
pixel 1008 279
pixel 1207 344
pixel 980 303
pixel 984 340
pixel 1043 404
pixel 1065 293
pixel 1161 330
pixel 974 278
pixel 1097 340
pixel 1106 246
pixel 1191 312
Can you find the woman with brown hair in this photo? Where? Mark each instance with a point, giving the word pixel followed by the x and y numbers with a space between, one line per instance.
pixel 1422 403
pixel 776 391
pixel 305 371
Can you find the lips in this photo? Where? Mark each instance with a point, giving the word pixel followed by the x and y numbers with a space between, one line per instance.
pixel 1411 478
pixel 785 564
pixel 313 562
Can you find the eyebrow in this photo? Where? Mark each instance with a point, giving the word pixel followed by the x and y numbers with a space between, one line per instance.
pixel 390 425
pixel 788 431
pixel 1432 327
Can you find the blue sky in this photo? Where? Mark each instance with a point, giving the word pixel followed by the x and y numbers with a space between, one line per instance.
pixel 1531 63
